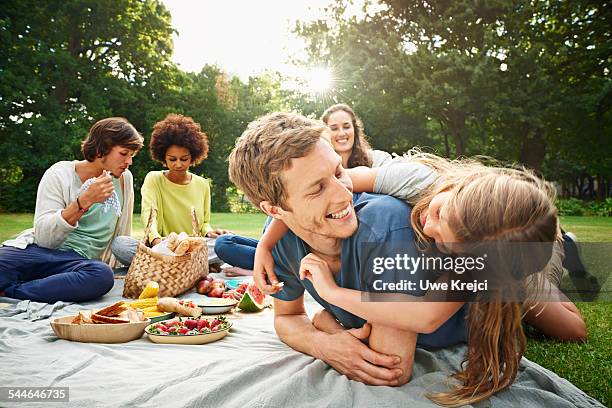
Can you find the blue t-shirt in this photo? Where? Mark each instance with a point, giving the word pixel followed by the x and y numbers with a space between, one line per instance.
pixel 384 226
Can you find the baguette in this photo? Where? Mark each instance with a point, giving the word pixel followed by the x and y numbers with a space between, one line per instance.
pixel 169 304
pixel 182 247
pixel 172 241
pixel 195 243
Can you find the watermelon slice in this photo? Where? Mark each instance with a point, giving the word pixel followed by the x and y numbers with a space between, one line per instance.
pixel 253 300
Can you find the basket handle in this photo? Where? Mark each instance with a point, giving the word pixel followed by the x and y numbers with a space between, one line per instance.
pixel 148 227
pixel 195 225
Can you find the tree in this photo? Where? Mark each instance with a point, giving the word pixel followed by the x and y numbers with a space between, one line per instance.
pixel 64 65
pixel 521 81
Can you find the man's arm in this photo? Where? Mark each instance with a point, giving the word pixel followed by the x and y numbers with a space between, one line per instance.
pixel 343 350
pixel 387 339
pixel 54 219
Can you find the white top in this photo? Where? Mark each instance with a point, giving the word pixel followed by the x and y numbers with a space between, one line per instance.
pixel 379 158
pixel 404 180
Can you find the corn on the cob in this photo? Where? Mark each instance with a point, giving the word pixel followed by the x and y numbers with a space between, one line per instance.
pixel 153 314
pixel 141 304
pixel 150 291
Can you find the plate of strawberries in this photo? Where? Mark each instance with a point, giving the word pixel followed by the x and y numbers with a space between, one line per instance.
pixel 189 330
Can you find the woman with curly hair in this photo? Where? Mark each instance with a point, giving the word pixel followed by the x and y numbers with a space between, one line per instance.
pixel 178 143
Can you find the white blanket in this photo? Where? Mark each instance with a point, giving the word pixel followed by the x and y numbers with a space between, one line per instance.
pixel 250 367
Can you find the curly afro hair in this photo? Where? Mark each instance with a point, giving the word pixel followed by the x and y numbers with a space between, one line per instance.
pixel 182 131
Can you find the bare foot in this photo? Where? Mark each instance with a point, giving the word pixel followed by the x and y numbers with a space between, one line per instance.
pixel 236 271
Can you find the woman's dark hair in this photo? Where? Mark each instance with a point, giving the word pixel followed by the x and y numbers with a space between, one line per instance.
pixel 108 133
pixel 181 131
pixel 359 155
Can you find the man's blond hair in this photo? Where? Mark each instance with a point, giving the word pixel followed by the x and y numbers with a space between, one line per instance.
pixel 264 151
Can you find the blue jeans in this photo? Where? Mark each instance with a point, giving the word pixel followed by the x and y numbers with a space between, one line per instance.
pixel 51 275
pixel 236 250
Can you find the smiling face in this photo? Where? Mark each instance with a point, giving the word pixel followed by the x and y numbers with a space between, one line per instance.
pixel 434 220
pixel 319 195
pixel 177 159
pixel 342 130
pixel 117 160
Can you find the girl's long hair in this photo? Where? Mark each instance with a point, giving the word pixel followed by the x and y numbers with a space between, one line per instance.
pixel 359 155
pixel 495 205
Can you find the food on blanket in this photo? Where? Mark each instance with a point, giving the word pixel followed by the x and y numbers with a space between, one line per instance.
pixel 195 243
pixel 149 291
pixel 84 317
pixel 152 311
pixel 242 287
pixel 112 310
pixel 182 248
pixel 218 283
pixel 182 307
pixel 107 319
pixel 232 294
pixel 189 327
pixel 203 286
pixel 216 292
pixel 147 306
pixel 172 241
pixel 113 314
pixel 253 300
pixel 142 303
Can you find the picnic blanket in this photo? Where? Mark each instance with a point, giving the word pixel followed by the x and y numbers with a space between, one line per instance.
pixel 250 367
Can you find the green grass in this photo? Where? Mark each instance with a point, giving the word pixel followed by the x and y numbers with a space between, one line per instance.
pixel 587 365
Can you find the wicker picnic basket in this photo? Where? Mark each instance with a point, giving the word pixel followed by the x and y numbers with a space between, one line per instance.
pixel 174 274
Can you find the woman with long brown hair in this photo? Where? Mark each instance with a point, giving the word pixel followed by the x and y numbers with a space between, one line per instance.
pixel 349 140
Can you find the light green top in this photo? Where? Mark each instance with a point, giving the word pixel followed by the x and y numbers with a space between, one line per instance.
pixel 95 229
pixel 173 203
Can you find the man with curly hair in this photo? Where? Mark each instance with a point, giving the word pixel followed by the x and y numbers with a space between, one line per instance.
pixel 178 143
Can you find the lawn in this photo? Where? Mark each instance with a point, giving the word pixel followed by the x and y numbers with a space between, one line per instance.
pixel 587 365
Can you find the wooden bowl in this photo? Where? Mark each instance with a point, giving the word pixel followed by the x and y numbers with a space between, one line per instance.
pixel 97 333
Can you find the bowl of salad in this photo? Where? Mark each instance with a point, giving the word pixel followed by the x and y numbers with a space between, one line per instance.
pixel 189 330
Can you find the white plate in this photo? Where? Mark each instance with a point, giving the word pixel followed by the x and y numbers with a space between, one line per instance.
pixel 217 305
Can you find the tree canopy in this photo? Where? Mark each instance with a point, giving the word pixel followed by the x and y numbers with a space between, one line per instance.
pixel 525 82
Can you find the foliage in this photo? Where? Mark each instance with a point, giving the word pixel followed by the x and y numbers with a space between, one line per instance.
pixel 574 206
pixel 570 206
pixel 601 208
pixel 524 82
pixel 69 64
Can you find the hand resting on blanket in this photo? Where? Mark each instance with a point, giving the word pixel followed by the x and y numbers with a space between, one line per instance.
pixel 342 350
pixel 380 338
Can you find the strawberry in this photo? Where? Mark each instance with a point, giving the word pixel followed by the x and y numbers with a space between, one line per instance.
pixel 183 330
pixel 200 324
pixel 191 324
